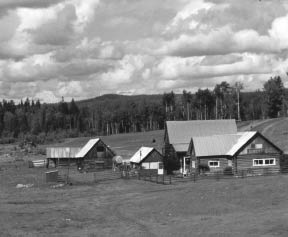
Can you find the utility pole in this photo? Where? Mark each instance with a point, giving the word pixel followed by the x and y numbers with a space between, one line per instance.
pixel 238 87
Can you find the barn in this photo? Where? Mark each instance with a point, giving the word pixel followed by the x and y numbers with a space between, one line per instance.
pixel 246 152
pixel 148 158
pixel 61 155
pixel 95 153
pixel 178 135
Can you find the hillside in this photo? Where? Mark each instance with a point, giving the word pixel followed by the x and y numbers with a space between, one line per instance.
pixel 125 145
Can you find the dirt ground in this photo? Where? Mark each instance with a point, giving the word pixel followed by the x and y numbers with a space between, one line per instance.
pixel 240 207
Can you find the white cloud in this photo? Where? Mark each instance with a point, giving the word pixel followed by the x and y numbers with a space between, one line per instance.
pixel 175 67
pixel 85 11
pixel 77 48
pixel 124 72
pixel 46 96
pixel 279 30
pixel 219 42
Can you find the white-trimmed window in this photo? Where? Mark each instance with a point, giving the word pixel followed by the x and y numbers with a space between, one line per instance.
pixel 259 146
pixel 213 163
pixel 264 162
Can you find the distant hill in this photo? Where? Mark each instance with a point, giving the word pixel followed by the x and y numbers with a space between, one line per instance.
pixel 114 98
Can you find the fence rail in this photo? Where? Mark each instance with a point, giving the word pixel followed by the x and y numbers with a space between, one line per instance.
pixel 216 176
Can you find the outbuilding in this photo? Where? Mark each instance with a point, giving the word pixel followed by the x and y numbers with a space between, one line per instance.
pixel 148 158
pixel 94 154
pixel 244 152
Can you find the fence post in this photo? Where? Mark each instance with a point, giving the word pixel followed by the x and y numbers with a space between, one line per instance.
pixel 194 177
pixel 163 179
pixel 170 179
pixel 217 175
pixel 157 178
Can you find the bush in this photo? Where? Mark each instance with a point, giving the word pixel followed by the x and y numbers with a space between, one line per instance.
pixel 7 140
pixel 171 164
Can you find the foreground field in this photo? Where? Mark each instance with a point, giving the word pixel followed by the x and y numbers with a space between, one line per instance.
pixel 240 207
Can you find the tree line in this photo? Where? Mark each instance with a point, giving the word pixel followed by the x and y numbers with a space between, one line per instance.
pixel 113 114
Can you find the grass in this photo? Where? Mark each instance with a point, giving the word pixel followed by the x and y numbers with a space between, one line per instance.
pixel 243 207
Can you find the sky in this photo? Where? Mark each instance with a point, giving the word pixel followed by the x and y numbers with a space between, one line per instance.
pixel 81 49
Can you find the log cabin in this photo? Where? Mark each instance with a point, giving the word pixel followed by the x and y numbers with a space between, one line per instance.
pixel 244 152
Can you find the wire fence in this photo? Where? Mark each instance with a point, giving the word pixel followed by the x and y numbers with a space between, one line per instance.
pixel 216 176
pixel 22 173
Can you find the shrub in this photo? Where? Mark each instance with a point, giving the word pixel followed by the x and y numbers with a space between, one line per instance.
pixel 171 164
pixel 7 140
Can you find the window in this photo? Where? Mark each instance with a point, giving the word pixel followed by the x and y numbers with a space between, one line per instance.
pixel 193 164
pixel 100 149
pixel 258 146
pixel 213 163
pixel 264 162
pixel 160 166
pixel 230 163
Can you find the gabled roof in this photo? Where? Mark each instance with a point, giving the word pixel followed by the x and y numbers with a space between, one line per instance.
pixel 243 139
pixel 180 132
pixel 221 145
pixel 62 152
pixel 141 154
pixel 89 145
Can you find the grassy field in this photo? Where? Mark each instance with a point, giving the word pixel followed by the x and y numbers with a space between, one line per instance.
pixel 242 207
pixel 236 207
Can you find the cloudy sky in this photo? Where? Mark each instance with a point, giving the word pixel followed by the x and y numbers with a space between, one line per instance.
pixel 84 48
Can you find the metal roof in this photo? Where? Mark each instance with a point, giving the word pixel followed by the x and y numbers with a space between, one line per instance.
pixel 181 147
pixel 246 136
pixel 141 154
pixel 87 147
pixel 217 145
pixel 62 152
pixel 182 131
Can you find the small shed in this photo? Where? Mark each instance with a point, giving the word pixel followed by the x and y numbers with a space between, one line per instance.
pixel 148 158
pixel 248 152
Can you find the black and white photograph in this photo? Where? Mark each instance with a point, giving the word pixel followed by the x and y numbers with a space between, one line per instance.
pixel 139 118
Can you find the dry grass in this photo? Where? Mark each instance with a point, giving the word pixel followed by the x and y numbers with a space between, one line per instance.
pixel 244 207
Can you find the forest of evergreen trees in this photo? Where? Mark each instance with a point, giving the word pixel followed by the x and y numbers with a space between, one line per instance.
pixel 112 114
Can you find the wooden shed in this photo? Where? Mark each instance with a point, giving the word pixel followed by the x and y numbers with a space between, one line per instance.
pixel 94 154
pixel 62 156
pixel 148 158
pixel 178 135
pixel 248 152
